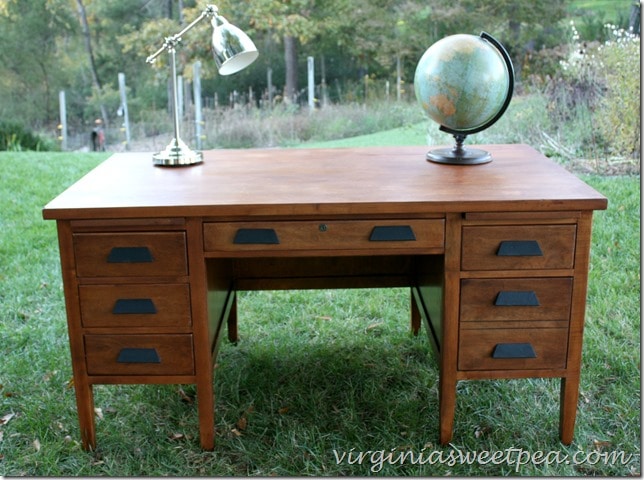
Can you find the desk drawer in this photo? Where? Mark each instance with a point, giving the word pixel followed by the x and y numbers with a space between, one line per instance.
pixel 512 349
pixel 517 247
pixel 165 305
pixel 130 254
pixel 332 235
pixel 139 354
pixel 521 299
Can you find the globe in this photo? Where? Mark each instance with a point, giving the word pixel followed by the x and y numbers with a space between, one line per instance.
pixel 464 83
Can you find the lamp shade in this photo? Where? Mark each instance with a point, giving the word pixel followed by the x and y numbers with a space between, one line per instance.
pixel 232 48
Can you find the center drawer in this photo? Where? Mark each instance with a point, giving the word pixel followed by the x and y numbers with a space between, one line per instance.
pixel 319 235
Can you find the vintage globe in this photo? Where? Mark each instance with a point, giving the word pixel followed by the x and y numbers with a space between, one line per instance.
pixel 464 83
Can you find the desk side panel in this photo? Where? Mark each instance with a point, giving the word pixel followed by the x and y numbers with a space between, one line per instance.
pixel 82 384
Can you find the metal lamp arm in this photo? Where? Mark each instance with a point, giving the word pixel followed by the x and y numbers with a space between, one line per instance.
pixel 170 43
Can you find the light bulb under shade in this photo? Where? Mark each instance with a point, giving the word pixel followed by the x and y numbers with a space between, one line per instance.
pixel 232 48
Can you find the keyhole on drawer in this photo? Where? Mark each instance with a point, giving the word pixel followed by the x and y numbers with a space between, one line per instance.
pixel 323 227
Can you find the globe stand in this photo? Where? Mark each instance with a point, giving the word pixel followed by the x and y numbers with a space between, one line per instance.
pixel 459 155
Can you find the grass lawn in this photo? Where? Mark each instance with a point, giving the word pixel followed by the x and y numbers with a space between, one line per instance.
pixel 317 377
pixel 609 10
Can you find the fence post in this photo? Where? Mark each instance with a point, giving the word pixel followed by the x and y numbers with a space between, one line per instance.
pixel 196 93
pixel 63 120
pixel 269 80
pixel 634 20
pixel 398 78
pixel 311 76
pixel 126 117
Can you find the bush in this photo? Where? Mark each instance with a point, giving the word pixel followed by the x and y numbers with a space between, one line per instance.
pixel 288 125
pixel 604 79
pixel 618 115
pixel 14 137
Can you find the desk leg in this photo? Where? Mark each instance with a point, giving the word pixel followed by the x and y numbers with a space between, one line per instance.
pixel 206 407
pixel 85 407
pixel 415 314
pixel 233 334
pixel 450 323
pixel 446 406
pixel 568 409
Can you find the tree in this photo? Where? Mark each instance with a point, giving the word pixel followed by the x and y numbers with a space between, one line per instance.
pixel 294 22
pixel 522 26
pixel 82 15
pixel 30 58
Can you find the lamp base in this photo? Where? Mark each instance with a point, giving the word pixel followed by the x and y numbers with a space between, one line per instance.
pixel 177 154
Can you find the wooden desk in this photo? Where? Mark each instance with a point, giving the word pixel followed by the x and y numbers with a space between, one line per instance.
pixel 496 256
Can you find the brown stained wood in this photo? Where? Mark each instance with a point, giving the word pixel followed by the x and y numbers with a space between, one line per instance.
pixel 166 250
pixel 168 305
pixel 350 181
pixel 174 353
pixel 324 205
pixel 326 235
pixel 481 246
pixel 480 299
pixel 476 348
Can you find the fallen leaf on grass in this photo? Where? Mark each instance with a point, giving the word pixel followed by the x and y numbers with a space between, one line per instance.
pixel 236 432
pixel 5 419
pixel 36 444
pixel 283 410
pixel 480 431
pixel 185 397
pixel 599 444
pixel 99 412
pixel 49 375
pixel 374 325
pixel 177 436
pixel 242 423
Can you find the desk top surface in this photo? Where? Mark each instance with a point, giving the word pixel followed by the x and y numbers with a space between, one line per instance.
pixel 344 181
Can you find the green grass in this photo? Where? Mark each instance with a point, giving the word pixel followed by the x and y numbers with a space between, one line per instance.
pixel 611 9
pixel 316 373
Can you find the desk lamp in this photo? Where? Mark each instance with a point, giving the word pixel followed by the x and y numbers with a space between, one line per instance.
pixel 233 51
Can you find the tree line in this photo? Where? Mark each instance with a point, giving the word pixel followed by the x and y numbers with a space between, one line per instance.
pixel 81 46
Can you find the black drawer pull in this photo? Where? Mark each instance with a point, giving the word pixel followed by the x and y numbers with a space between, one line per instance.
pixel 130 255
pixel 394 233
pixel 138 355
pixel 255 236
pixel 125 306
pixel 519 248
pixel 517 299
pixel 513 350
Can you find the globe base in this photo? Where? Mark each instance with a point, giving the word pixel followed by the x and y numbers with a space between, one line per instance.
pixel 463 156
